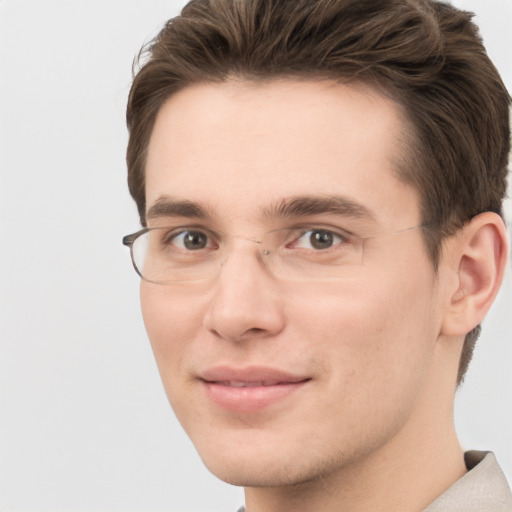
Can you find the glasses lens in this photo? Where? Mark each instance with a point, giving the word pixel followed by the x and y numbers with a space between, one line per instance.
pixel 168 255
pixel 163 256
pixel 312 254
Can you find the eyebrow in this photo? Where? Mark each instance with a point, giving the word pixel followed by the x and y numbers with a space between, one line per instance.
pixel 166 206
pixel 308 206
pixel 291 207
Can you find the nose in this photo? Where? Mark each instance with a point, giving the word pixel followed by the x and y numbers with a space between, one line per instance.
pixel 246 301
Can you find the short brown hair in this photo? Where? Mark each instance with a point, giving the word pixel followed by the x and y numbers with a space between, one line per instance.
pixel 425 54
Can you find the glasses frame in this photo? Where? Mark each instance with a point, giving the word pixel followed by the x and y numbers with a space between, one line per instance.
pixel 130 239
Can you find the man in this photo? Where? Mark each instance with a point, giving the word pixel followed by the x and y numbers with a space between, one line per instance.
pixel 320 185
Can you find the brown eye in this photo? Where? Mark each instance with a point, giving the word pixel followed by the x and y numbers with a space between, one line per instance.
pixel 191 240
pixel 321 239
pixel 318 240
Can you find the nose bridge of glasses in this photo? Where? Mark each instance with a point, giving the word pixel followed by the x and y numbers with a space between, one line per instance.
pixel 254 241
pixel 242 255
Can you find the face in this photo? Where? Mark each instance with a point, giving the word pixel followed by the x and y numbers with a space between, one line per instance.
pixel 282 381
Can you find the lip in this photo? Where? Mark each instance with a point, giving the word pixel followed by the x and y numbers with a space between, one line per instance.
pixel 250 389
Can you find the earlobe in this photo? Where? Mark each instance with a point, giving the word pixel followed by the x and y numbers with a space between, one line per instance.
pixel 480 257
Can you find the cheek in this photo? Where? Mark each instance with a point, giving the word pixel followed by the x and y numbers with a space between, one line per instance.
pixel 171 323
pixel 374 339
pixel 377 365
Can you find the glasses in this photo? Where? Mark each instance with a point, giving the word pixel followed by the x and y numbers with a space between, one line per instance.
pixel 166 255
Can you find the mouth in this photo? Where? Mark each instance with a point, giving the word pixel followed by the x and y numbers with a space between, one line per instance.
pixel 251 389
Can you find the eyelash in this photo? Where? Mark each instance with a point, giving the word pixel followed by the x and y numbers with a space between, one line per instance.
pixel 173 234
pixel 340 236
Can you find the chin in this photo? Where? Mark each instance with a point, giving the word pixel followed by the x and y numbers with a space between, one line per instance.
pixel 255 474
pixel 239 465
pixel 271 467
pixel 242 476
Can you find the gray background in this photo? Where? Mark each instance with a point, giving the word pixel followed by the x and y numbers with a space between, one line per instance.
pixel 85 425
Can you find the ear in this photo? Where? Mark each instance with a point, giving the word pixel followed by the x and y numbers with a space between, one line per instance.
pixel 478 254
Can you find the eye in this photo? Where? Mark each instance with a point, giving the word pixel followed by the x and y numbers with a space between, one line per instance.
pixel 319 239
pixel 190 240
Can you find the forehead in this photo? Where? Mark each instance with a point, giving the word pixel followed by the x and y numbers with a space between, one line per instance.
pixel 237 145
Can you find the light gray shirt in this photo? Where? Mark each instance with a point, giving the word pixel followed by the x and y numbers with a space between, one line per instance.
pixel 483 488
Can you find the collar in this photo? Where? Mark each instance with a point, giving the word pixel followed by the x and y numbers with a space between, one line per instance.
pixel 482 489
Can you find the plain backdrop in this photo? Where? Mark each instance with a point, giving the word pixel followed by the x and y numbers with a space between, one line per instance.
pixel 85 425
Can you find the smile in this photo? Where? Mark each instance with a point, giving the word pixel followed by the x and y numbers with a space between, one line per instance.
pixel 253 384
pixel 249 390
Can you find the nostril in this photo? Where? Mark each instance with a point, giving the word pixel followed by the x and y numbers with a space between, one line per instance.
pixel 255 330
pixel 253 333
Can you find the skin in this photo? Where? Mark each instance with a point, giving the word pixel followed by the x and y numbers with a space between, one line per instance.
pixel 372 428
